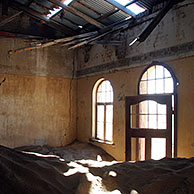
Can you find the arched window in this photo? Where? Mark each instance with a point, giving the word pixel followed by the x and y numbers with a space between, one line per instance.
pixel 152 115
pixel 156 79
pixel 103 111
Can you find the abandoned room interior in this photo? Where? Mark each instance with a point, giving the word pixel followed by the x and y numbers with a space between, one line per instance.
pixel 114 77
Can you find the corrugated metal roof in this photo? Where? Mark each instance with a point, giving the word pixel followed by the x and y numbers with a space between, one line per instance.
pixel 99 10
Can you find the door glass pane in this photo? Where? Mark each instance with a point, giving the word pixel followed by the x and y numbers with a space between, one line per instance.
pixel 158 148
pixel 152 107
pixel 162 109
pixel 143 107
pixel 143 121
pixel 100 122
pixel 162 122
pixel 137 148
pixel 141 148
pixel 134 116
pixel 153 121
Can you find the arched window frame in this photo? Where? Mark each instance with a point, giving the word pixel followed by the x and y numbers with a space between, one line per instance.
pixel 175 80
pixel 94 112
pixel 174 93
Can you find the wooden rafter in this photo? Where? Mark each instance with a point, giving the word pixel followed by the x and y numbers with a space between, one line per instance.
pixel 78 13
pixel 11 18
pixel 38 16
pixel 53 42
pixel 143 36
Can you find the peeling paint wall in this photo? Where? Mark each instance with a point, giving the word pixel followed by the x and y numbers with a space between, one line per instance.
pixel 172 39
pixel 37 100
pixel 172 43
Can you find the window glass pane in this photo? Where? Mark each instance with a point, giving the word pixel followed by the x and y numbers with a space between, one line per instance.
pixel 169 85
pixel 109 121
pixel 105 92
pixel 156 80
pixel 143 87
pixel 151 87
pixel 151 73
pixel 159 86
pixel 100 122
pixel 99 97
pixel 158 148
pixel 145 76
pixel 108 132
pixel 159 71
pixel 167 73
pixel 109 113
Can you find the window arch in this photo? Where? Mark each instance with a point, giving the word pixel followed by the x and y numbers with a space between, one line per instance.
pixel 103 111
pixel 157 79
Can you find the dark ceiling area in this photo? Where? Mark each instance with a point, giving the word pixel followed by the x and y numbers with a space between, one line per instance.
pixel 86 20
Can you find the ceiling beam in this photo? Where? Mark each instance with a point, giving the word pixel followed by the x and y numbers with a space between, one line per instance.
pixel 38 16
pixel 9 19
pixel 121 7
pixel 78 13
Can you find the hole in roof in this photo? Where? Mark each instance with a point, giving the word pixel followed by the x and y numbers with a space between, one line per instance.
pixel 123 2
pixel 56 10
pixel 136 9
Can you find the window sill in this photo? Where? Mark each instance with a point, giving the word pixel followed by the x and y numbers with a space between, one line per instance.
pixel 101 141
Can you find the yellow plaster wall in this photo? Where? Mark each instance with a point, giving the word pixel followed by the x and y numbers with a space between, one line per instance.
pixel 37 110
pixel 125 83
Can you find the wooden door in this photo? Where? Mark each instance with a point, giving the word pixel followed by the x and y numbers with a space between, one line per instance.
pixel 148 120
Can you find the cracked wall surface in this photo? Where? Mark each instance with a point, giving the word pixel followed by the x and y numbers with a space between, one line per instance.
pixel 37 99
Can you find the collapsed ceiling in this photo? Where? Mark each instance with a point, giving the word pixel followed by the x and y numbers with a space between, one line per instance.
pixel 77 22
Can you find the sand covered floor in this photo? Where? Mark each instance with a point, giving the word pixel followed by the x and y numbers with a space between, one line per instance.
pixel 79 168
